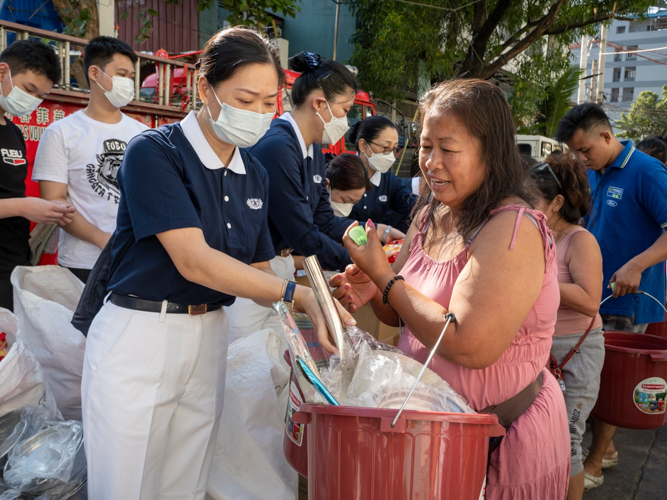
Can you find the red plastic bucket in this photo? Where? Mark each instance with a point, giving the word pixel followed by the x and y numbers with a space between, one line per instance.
pixel 354 454
pixel 658 329
pixel 633 385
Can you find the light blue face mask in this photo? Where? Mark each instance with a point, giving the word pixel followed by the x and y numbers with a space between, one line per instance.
pixel 239 127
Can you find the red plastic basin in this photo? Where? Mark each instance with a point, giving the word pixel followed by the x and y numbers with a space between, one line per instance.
pixel 354 454
pixel 633 385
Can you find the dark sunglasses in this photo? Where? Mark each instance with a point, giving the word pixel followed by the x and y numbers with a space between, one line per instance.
pixel 542 166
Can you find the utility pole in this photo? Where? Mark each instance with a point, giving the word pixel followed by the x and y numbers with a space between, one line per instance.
pixel 583 66
pixel 336 28
pixel 599 97
pixel 594 81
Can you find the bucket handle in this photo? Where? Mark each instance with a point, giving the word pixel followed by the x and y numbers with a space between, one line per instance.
pixel 497 430
pixel 657 358
pixel 638 292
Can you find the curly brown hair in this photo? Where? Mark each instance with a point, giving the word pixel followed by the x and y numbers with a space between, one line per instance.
pixel 570 171
pixel 483 110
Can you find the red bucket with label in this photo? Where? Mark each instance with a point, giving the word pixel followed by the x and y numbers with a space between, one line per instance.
pixel 633 382
pixel 355 454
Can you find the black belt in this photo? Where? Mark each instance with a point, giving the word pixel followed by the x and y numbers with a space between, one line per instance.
pixel 152 306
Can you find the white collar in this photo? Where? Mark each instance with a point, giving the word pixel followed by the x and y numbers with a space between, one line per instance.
pixel 375 180
pixel 306 152
pixel 207 156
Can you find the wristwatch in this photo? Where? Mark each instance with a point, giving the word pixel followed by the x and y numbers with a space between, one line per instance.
pixel 385 234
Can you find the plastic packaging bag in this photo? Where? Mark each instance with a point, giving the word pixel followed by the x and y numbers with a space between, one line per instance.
pixel 21 378
pixel 50 461
pixel 383 377
pixel 11 495
pixel 45 298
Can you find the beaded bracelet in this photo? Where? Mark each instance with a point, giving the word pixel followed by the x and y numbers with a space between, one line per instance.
pixel 388 287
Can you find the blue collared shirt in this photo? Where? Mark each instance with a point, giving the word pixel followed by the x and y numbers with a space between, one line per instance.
pixel 172 179
pixel 301 217
pixel 628 214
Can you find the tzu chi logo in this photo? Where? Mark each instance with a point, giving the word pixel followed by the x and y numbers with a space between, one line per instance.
pixel 255 203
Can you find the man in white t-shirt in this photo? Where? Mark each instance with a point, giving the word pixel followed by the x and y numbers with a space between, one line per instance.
pixel 78 157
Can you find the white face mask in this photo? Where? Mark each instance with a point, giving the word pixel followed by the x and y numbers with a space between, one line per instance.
pixel 341 209
pixel 335 129
pixel 239 127
pixel 18 102
pixel 122 91
pixel 381 162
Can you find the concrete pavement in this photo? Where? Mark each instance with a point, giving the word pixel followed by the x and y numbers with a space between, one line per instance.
pixel 641 473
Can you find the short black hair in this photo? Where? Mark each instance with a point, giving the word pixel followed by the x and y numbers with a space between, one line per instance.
pixel 654 147
pixel 100 51
pixel 234 47
pixel 32 55
pixel 331 77
pixel 585 116
pixel 369 129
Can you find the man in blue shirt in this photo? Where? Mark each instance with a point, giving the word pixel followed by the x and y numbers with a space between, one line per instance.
pixel 627 217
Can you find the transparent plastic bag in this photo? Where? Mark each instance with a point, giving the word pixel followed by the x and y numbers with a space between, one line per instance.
pixel 50 462
pixel 32 420
pixel 10 495
pixel 384 376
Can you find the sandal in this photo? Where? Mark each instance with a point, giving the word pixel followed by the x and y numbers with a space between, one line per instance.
pixel 607 463
pixel 591 481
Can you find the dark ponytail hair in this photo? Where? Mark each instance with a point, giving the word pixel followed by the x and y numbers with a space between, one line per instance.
pixel 346 171
pixel 571 173
pixel 331 77
pixel 232 48
pixel 369 129
pixel 654 147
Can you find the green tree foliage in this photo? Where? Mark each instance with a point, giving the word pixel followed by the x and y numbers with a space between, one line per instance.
pixel 401 42
pixel 647 116
pixel 554 105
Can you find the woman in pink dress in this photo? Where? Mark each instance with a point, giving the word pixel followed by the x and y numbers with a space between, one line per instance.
pixel 477 249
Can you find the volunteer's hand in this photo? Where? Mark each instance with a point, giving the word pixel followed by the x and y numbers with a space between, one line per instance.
pixel 353 288
pixel 394 234
pixel 307 303
pixel 370 258
pixel 627 278
pixel 298 262
pixel 47 212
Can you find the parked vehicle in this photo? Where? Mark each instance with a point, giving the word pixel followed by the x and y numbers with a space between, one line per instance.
pixel 537 146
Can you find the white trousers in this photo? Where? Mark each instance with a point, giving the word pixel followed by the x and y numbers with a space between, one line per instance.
pixel 152 394
pixel 246 317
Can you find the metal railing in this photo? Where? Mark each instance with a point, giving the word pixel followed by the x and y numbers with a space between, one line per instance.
pixel 70 49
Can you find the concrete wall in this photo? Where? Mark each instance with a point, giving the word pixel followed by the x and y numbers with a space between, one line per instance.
pixel 313 29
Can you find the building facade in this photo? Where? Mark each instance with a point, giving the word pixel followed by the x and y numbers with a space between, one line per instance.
pixel 636 60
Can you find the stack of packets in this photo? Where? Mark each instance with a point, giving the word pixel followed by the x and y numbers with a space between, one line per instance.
pixel 376 375
pixel 392 249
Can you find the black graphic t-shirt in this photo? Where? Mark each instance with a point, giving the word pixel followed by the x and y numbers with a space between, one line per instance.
pixel 14 231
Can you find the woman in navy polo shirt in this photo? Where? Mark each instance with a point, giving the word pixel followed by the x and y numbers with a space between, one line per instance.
pixel 376 140
pixel 192 235
pixel 301 220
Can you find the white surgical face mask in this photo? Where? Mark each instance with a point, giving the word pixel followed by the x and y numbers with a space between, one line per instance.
pixel 341 209
pixel 335 129
pixel 239 127
pixel 18 102
pixel 381 162
pixel 122 91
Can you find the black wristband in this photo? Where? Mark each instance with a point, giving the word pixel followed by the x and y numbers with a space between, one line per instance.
pixel 388 287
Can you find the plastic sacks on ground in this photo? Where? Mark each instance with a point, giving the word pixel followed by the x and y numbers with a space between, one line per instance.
pixel 45 299
pixel 22 381
pixel 45 458
pixel 249 463
pixel 376 375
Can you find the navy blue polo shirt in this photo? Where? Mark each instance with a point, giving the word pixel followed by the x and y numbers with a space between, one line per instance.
pixel 389 193
pixel 301 217
pixel 171 179
pixel 628 214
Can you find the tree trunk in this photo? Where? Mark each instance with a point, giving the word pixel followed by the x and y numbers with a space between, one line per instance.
pixel 92 30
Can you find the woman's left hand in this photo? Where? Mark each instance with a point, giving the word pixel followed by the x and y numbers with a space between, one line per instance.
pixel 370 258
pixel 307 303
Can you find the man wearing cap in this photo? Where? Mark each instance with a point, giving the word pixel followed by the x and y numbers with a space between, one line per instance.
pixel 78 157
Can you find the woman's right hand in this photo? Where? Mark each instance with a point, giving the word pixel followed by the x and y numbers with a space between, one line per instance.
pixel 353 288
pixel 307 302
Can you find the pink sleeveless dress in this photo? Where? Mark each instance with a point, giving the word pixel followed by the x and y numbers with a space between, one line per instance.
pixel 533 459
